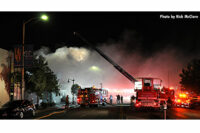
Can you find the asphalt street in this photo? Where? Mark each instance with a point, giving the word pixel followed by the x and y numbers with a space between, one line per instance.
pixel 117 112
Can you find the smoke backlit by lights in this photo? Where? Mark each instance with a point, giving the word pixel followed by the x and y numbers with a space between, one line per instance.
pixel 79 54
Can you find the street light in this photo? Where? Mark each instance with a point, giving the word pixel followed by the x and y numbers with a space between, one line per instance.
pixel 44 18
pixel 94 68
pixel 71 80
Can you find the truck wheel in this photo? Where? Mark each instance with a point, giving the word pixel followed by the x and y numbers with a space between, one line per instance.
pixel 21 115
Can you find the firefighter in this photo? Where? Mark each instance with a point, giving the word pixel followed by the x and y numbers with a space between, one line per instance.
pixel 111 99
pixel 169 101
pixel 67 102
pixel 121 99
pixel 118 99
pixel 132 101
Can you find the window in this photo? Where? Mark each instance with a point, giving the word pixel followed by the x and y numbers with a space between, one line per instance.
pixel 147 82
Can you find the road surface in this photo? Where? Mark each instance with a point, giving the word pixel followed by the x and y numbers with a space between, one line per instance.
pixel 118 112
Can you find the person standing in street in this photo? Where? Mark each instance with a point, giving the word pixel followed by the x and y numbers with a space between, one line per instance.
pixel 118 99
pixel 132 100
pixel 121 99
pixel 67 102
pixel 111 99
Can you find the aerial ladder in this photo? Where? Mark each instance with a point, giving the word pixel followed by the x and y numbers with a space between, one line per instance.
pixel 120 69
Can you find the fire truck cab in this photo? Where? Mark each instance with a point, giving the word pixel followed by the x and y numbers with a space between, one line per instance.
pixel 147 92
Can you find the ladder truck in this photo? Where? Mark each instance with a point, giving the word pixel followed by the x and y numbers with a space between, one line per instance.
pixel 149 94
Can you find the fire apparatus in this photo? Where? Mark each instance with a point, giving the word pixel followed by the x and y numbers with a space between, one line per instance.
pixel 92 97
pixel 147 92
pixel 150 93
pixel 183 99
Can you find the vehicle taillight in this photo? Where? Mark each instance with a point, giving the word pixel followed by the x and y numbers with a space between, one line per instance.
pixel 138 104
pixel 78 99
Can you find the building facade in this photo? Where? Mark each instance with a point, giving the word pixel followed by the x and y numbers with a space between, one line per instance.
pixel 10 78
pixel 4 76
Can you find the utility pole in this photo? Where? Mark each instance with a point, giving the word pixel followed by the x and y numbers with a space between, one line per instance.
pixel 43 17
pixel 71 80
pixel 11 84
pixel 101 85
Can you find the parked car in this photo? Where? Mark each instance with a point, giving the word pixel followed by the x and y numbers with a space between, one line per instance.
pixel 17 109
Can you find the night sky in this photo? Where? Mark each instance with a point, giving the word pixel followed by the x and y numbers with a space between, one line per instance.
pixel 149 33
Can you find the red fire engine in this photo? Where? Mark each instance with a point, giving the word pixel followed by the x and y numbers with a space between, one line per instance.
pixel 183 100
pixel 147 93
pixel 92 97
pixel 150 93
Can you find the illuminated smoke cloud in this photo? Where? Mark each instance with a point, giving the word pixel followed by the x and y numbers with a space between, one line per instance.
pixel 79 54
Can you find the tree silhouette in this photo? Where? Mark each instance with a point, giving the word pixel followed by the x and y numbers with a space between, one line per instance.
pixel 40 78
pixel 190 76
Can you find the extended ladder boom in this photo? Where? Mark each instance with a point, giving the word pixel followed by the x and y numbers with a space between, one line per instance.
pixel 120 69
